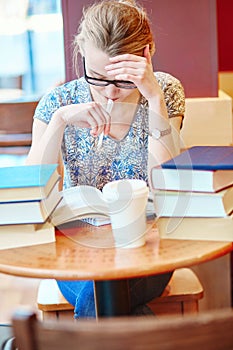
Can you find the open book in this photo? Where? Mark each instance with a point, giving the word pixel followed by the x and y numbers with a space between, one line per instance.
pixel 87 203
pixel 80 202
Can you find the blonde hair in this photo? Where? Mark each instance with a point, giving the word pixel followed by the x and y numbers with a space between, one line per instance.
pixel 115 27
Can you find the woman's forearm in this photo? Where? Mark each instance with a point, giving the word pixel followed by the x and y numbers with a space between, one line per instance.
pixel 163 148
pixel 46 144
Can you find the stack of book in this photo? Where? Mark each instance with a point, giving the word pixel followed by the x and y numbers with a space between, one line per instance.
pixel 28 196
pixel 193 194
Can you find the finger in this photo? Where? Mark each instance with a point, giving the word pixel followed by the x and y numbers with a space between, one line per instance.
pixel 126 64
pixel 131 74
pixel 128 71
pixel 125 57
pixel 93 119
pixel 101 120
pixel 91 124
pixel 106 116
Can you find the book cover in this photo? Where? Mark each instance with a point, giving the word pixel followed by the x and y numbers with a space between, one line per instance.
pixel 203 158
pixel 30 211
pixel 195 204
pixel 27 182
pixel 15 236
pixel 208 229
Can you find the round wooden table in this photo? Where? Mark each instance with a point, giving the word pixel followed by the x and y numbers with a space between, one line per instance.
pixel 85 252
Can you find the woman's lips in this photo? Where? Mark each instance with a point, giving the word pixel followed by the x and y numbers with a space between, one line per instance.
pixel 113 99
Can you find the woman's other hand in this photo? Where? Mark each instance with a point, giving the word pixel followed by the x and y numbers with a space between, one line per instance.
pixel 90 115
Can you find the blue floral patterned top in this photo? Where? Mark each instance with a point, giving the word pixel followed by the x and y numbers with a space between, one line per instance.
pixel 84 163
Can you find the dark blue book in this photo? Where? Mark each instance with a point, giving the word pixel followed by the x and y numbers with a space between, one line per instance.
pixel 200 168
pixel 203 158
pixel 27 182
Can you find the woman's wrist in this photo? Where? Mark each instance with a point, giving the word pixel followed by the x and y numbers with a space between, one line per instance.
pixel 158 116
pixel 60 117
pixel 157 105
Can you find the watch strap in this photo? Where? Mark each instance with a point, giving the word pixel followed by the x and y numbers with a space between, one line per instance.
pixel 156 133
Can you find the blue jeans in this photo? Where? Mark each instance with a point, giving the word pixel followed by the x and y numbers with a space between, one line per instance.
pixel 142 290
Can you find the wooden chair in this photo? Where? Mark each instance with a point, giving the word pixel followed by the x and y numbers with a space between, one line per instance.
pixel 16 126
pixel 180 297
pixel 52 303
pixel 209 331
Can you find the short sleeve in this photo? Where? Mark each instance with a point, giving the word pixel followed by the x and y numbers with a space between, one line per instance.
pixel 72 92
pixel 173 93
pixel 48 104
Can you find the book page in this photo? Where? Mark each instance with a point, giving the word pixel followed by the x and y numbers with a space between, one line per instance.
pixel 79 202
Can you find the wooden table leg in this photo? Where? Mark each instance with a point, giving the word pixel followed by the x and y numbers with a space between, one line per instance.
pixel 112 298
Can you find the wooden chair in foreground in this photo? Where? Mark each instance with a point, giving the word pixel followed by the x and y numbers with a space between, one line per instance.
pixel 209 331
pixel 16 126
pixel 180 297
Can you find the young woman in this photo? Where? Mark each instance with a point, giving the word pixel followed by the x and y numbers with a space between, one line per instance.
pixel 116 44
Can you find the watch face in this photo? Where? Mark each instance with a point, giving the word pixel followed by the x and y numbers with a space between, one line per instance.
pixel 156 134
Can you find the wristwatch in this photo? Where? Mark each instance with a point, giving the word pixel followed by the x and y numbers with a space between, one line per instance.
pixel 156 133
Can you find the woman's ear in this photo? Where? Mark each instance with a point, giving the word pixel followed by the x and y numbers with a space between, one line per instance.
pixel 146 53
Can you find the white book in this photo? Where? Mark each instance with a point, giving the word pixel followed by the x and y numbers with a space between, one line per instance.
pixel 15 236
pixel 194 204
pixel 191 180
pixel 208 229
pixel 31 211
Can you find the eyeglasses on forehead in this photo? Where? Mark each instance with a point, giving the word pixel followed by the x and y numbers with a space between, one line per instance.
pixel 122 84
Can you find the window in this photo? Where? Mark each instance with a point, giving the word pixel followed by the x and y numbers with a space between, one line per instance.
pixel 31 46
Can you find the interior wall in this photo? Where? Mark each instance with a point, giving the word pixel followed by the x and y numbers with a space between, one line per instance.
pixel 225 45
pixel 185 36
pixel 186 40
pixel 225 34
pixel 72 13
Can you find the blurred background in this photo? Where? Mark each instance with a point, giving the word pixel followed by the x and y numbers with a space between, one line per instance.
pixel 31 47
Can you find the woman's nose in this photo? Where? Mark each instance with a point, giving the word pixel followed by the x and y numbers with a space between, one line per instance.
pixel 111 91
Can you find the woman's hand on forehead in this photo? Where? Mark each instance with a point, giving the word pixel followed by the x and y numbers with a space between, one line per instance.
pixel 137 69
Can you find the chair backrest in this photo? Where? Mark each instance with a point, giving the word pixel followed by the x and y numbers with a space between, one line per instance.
pixel 203 331
pixel 17 117
pixel 16 120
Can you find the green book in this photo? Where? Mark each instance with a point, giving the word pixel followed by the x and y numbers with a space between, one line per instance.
pixel 27 182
